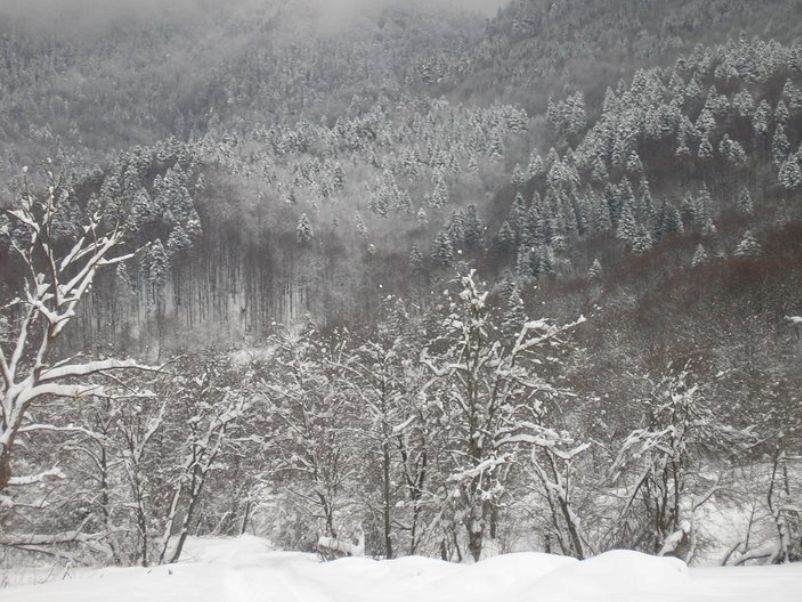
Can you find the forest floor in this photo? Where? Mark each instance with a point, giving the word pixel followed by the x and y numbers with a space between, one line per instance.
pixel 246 569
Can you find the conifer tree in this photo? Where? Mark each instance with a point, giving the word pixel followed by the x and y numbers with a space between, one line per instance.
pixel 745 205
pixel 536 168
pixel 704 209
pixel 403 202
pixel 158 263
pixel 456 227
pixel 761 118
pixel 523 262
pixel 634 164
pixel 518 176
pixel 670 222
pixel 699 257
pixel 643 241
pixel 744 104
pixel 599 175
pixel 361 228
pixel 179 240
pixel 682 152
pixel 646 211
pixel 688 210
pixel 443 249
pixel 439 196
pixel 779 145
pixel 303 230
pixel 495 147
pixel 505 238
pixel 379 203
pixel 595 272
pixel 627 230
pixel 708 226
pixel 748 247
pixel 600 221
pixel 781 113
pixel 472 229
pixel 790 175
pixel 513 313
pixel 545 261
pixel 793 97
pixel 706 123
pixel 415 260
pixel 576 116
pixel 732 151
pixel 705 149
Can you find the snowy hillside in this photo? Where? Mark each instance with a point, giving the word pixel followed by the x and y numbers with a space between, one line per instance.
pixel 246 569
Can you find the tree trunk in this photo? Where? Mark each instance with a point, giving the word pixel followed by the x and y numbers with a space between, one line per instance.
pixel 199 478
pixel 5 465
pixel 476 533
pixel 387 502
pixel 104 504
pixel 245 518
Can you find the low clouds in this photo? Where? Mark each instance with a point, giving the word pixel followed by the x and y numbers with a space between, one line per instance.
pixel 66 18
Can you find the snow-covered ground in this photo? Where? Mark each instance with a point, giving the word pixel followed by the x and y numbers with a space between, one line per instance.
pixel 247 570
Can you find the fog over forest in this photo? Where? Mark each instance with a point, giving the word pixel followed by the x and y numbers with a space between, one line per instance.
pixel 93 13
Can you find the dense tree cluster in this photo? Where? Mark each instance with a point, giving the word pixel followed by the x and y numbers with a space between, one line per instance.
pixel 459 431
pixel 708 154
pixel 537 49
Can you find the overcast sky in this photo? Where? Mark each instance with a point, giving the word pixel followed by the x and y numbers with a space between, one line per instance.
pixel 488 7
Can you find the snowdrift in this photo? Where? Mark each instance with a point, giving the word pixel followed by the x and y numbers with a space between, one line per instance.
pixel 246 569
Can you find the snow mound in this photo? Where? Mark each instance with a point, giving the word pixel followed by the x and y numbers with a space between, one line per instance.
pixel 616 575
pixel 246 569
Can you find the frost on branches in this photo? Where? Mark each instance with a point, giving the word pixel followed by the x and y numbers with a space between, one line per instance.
pixel 491 394
pixel 59 272
pixel 661 465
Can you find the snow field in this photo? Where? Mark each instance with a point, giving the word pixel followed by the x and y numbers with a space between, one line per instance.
pixel 247 570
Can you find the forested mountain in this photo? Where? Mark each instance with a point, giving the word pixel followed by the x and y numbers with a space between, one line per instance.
pixel 535 50
pixel 348 217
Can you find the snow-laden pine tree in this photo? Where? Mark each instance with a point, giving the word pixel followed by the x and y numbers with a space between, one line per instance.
pixel 443 248
pixel 700 256
pixel 748 247
pixel 705 152
pixel 643 242
pixel 790 175
pixel 472 228
pixel 670 221
pixel 513 314
pixel 505 238
pixel 361 227
pixel 303 230
pixel 745 205
pixel 761 119
pixel 595 272
pixel 780 146
pixel 627 230
pixel 157 263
